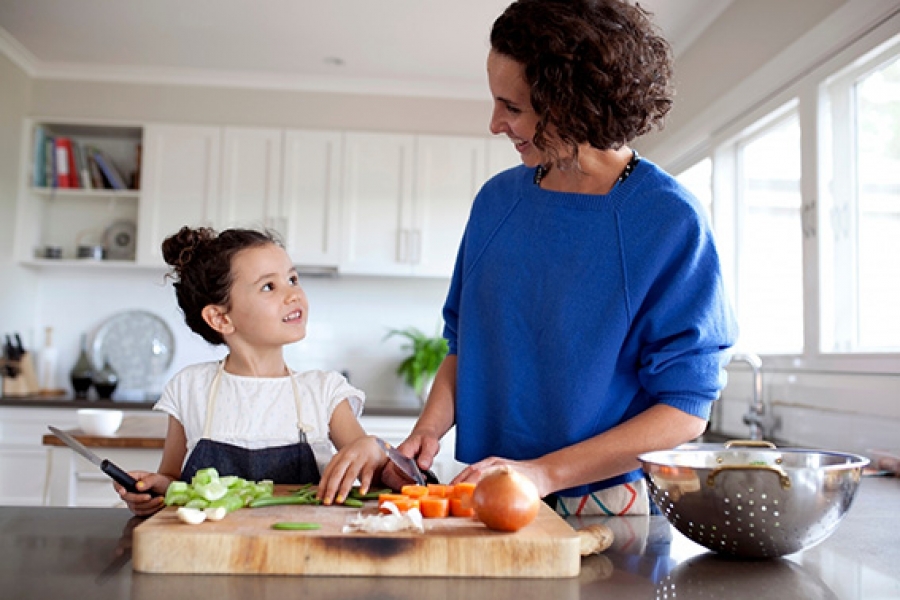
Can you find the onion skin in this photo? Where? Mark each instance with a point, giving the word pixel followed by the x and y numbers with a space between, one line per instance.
pixel 505 500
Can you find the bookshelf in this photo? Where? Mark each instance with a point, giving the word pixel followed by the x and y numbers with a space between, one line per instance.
pixel 81 188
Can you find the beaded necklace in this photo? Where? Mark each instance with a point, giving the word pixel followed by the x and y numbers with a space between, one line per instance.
pixel 541 170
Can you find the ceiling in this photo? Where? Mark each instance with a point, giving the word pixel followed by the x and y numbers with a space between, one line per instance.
pixel 408 47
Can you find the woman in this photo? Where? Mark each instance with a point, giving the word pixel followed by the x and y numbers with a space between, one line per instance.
pixel 586 317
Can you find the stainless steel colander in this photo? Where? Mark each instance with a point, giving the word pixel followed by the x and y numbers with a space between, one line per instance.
pixel 751 499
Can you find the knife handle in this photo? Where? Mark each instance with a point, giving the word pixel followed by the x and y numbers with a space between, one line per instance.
pixel 123 478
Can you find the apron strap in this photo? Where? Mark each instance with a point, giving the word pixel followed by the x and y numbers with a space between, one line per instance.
pixel 302 427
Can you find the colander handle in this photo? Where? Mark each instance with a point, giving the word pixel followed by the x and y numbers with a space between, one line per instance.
pixel 783 477
pixel 749 444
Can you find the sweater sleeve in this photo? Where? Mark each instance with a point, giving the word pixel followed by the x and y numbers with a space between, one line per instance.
pixel 682 319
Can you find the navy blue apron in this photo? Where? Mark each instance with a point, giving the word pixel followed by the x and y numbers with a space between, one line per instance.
pixel 292 463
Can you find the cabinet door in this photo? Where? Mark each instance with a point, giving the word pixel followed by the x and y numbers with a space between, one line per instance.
pixel 377 196
pixel 251 180
pixel 501 155
pixel 180 178
pixel 311 197
pixel 448 173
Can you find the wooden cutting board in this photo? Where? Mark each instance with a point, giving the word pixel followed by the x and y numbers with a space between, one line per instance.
pixel 244 542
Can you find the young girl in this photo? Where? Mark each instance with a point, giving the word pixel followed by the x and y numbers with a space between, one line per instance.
pixel 249 415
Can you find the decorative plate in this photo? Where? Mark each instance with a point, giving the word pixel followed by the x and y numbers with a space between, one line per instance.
pixel 120 240
pixel 139 346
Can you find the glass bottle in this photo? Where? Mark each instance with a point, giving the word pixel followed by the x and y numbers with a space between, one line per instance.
pixel 105 380
pixel 82 374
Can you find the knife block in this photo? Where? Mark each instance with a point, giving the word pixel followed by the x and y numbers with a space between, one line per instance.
pixel 25 383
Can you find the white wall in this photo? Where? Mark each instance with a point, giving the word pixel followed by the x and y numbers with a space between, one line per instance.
pixel 349 318
pixel 17 285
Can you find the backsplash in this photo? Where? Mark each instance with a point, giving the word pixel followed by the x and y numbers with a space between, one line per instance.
pixel 835 411
pixel 349 318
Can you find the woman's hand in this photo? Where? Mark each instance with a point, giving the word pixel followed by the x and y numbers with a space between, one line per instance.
pixel 361 459
pixel 142 503
pixel 529 468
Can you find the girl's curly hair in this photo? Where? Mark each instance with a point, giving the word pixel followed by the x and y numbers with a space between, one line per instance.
pixel 598 70
pixel 201 270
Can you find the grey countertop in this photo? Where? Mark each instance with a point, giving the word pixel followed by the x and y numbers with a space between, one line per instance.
pixel 85 553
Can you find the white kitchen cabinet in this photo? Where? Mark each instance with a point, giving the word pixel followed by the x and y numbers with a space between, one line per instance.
pixel 23 458
pixel 311 202
pixel 251 179
pixel 449 171
pixel 377 203
pixel 406 201
pixel 225 177
pixel 501 155
pixel 181 184
pixel 84 214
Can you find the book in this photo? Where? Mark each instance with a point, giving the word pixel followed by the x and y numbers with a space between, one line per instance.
pixel 49 162
pixel 108 169
pixel 81 168
pixel 63 161
pixel 39 170
pixel 96 176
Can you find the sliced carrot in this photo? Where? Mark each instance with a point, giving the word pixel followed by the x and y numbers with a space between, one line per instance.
pixel 461 507
pixel 463 490
pixel 403 503
pixel 440 490
pixel 434 507
pixel 414 491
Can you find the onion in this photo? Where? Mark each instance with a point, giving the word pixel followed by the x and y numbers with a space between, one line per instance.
pixel 505 499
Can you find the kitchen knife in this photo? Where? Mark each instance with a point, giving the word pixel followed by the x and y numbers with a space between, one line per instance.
pixel 117 474
pixel 406 465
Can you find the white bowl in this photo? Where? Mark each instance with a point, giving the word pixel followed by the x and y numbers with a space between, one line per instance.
pixel 99 421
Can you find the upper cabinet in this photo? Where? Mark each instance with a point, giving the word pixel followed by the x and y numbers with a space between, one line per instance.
pixel 227 177
pixel 311 185
pixel 377 203
pixel 181 184
pixel 407 199
pixel 80 188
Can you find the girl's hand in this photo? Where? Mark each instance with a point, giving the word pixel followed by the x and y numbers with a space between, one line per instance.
pixel 361 459
pixel 530 469
pixel 142 503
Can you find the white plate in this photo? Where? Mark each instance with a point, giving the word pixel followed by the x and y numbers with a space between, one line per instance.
pixel 120 240
pixel 140 347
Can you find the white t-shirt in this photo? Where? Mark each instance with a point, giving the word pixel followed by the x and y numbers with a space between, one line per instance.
pixel 258 412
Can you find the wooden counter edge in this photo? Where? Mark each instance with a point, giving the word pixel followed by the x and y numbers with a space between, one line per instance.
pixel 94 441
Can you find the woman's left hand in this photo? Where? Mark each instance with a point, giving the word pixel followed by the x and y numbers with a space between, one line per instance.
pixel 529 468
pixel 362 459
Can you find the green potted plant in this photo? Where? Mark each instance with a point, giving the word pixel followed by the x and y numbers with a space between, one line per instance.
pixel 421 364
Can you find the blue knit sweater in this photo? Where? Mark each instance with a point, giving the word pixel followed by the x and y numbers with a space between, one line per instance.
pixel 571 313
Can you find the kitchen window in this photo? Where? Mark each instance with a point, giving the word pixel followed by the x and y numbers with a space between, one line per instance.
pixel 805 200
pixel 860 217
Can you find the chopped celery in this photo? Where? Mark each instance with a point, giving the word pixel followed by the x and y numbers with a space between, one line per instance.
pixel 209 489
pixel 197 503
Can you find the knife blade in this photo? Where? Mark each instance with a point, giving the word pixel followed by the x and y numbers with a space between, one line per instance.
pixel 406 465
pixel 111 469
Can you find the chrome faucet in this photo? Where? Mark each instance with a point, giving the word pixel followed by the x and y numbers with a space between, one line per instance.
pixel 761 422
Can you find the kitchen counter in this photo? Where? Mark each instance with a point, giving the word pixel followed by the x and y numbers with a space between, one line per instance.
pixel 68 402
pixel 85 553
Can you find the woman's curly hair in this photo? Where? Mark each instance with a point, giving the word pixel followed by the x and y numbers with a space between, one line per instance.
pixel 598 70
pixel 201 269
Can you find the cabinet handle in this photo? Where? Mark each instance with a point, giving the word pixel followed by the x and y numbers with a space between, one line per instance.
pixel 402 245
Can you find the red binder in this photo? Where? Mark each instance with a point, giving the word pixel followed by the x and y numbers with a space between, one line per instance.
pixel 66 174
